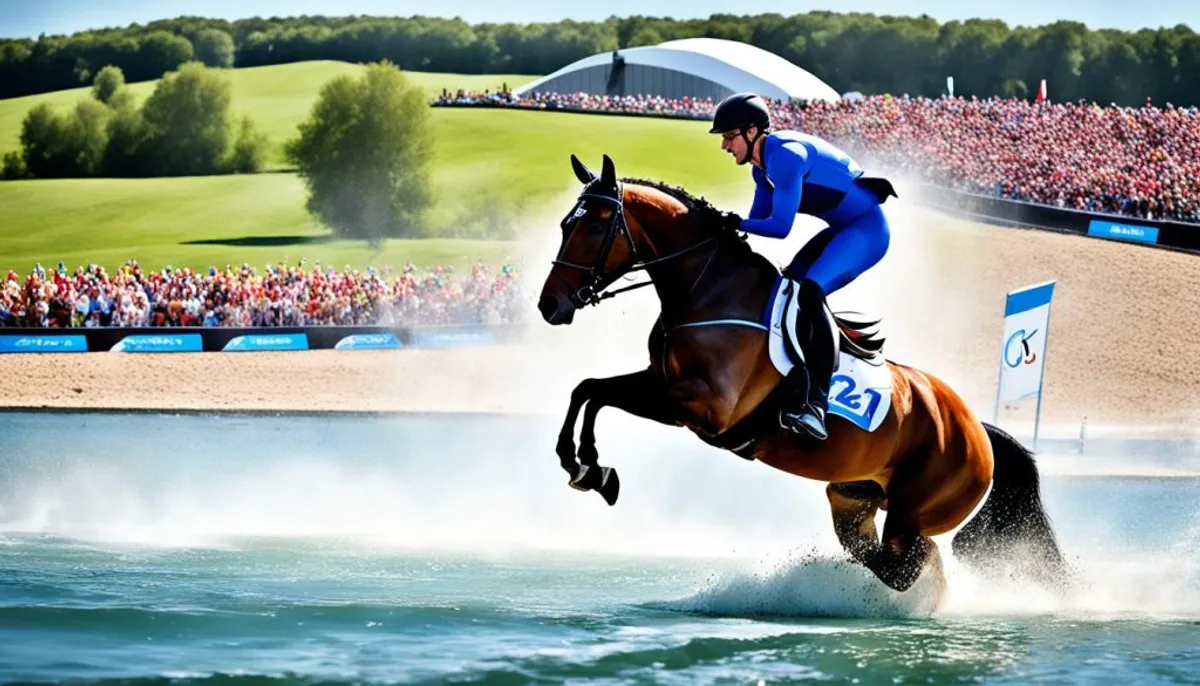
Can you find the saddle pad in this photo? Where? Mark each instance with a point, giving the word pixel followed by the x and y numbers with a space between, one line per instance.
pixel 858 392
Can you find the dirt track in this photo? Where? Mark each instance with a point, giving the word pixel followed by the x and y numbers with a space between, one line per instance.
pixel 1123 342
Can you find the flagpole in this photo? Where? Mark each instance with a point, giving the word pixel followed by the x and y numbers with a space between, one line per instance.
pixel 1037 417
pixel 999 376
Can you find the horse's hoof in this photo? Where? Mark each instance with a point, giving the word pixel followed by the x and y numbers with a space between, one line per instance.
pixel 603 480
pixel 610 485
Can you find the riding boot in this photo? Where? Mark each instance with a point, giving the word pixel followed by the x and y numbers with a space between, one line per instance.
pixel 820 342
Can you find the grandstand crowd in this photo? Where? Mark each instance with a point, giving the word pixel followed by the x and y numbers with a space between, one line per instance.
pixel 1135 161
pixel 277 296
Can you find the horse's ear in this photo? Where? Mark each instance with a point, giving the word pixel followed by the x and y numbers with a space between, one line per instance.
pixel 582 173
pixel 608 174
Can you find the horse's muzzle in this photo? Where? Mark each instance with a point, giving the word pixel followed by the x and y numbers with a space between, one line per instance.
pixel 556 310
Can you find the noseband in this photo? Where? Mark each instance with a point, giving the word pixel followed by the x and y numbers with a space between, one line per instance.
pixel 589 293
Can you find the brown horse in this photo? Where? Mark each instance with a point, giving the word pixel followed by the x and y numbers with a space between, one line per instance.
pixel 928 464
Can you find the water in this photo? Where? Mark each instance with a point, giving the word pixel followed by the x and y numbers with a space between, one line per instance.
pixel 434 549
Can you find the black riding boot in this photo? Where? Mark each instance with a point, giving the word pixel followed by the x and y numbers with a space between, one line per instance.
pixel 820 341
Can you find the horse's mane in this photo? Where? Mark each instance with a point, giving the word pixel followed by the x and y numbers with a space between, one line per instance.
pixel 703 213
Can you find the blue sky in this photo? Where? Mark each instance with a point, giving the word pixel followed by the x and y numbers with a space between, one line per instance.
pixel 31 17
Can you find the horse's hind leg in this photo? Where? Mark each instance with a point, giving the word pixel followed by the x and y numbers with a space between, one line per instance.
pixel 898 560
pixel 854 505
pixel 904 554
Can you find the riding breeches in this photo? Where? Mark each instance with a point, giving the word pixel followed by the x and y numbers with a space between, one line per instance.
pixel 839 254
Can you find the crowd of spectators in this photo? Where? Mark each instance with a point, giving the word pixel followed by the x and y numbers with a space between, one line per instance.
pixel 645 105
pixel 1135 161
pixel 277 296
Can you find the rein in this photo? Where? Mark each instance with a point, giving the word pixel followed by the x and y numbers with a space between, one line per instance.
pixel 586 294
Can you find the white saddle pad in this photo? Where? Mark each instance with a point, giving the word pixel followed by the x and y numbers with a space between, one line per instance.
pixel 859 391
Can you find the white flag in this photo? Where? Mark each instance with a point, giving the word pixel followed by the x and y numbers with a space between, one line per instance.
pixel 1023 355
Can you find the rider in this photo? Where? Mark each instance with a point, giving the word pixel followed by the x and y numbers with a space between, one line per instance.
pixel 794 173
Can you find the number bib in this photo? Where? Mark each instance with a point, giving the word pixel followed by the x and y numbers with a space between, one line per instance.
pixel 860 392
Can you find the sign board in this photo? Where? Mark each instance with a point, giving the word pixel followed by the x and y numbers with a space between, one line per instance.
pixel 268 341
pixel 1023 351
pixel 43 344
pixel 159 343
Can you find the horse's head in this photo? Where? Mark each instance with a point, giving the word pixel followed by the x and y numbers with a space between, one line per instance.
pixel 597 245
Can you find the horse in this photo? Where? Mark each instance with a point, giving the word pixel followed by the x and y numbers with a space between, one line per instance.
pixel 928 463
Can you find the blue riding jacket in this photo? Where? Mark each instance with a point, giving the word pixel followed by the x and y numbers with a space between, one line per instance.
pixel 807 175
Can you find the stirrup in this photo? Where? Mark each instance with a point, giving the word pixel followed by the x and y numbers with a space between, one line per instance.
pixel 807 421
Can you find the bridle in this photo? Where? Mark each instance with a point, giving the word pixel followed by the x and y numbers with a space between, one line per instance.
pixel 588 293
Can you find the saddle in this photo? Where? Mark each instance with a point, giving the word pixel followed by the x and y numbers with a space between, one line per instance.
pixel 860 390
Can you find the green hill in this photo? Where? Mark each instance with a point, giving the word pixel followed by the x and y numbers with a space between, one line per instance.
pixel 516 161
pixel 276 97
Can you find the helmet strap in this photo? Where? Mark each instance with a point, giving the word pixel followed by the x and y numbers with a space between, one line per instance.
pixel 750 144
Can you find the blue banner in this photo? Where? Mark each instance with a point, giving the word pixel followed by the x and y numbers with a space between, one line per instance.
pixel 43 344
pixel 159 343
pixel 1123 232
pixel 264 341
pixel 368 341
pixel 452 337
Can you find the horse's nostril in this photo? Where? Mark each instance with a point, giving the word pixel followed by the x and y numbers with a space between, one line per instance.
pixel 547 305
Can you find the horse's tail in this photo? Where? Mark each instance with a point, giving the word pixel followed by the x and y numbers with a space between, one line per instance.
pixel 1012 528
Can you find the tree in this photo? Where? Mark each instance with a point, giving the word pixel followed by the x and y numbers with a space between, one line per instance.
pixel 13 167
pixel 365 155
pixel 187 121
pixel 108 81
pixel 250 149
pixel 126 154
pixel 160 52
pixel 87 132
pixel 44 143
pixel 214 48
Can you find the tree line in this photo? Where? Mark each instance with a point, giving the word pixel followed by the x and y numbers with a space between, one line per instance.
pixel 850 51
pixel 185 127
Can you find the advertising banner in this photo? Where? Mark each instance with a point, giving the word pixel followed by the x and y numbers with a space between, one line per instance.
pixel 368 341
pixel 263 341
pixel 452 336
pixel 1123 232
pixel 43 344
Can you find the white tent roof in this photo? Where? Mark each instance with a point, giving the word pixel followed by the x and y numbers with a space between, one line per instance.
pixel 737 66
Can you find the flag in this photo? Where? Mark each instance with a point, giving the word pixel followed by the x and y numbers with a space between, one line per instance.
pixel 1023 354
pixel 1041 93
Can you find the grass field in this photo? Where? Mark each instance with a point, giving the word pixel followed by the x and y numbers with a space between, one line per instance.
pixel 193 222
pixel 277 97
pixel 516 161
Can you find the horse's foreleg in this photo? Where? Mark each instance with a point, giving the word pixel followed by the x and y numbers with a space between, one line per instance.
pixel 641 394
pixel 565 449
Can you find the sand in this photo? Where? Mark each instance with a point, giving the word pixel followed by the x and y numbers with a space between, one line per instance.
pixel 1123 341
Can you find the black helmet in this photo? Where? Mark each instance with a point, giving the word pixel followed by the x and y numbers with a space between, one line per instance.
pixel 741 111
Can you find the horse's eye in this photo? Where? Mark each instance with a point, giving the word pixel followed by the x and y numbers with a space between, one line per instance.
pixel 595 227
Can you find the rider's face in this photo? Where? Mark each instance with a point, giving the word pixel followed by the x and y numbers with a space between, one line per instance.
pixel 734 143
